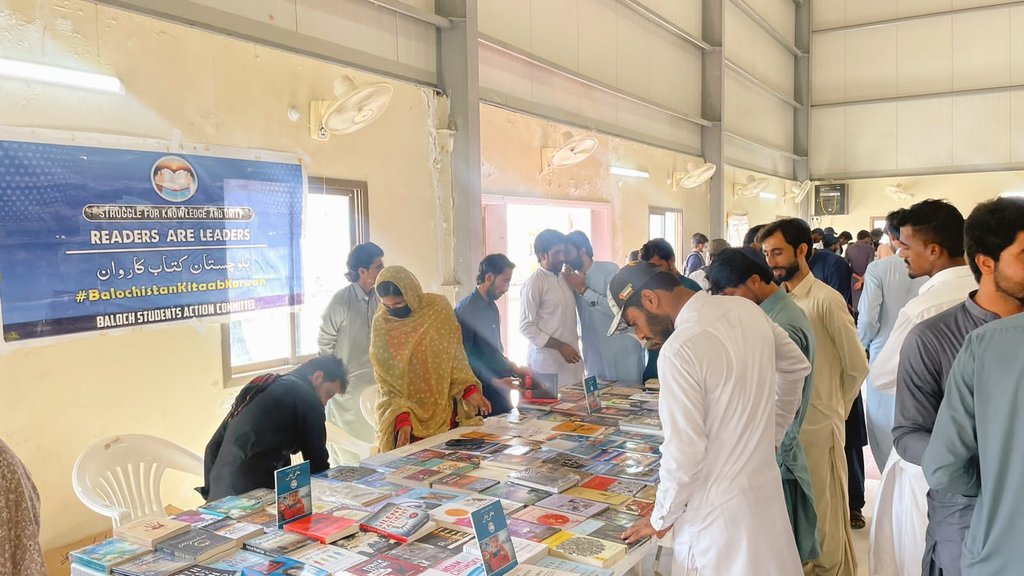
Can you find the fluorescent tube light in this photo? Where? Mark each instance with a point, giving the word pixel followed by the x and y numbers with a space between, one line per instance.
pixel 63 76
pixel 769 195
pixel 620 171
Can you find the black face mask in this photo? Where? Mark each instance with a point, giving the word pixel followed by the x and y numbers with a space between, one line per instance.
pixel 402 312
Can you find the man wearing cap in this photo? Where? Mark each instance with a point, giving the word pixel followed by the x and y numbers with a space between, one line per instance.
pixel 721 364
pixel 700 276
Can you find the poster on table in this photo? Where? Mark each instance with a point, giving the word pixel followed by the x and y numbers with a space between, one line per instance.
pixel 95 237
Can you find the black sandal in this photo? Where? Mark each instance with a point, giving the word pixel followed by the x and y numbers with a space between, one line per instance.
pixel 857 520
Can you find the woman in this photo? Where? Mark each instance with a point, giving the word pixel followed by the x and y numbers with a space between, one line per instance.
pixel 20 552
pixel 420 363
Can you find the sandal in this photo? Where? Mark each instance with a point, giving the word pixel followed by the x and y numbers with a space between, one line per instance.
pixel 857 520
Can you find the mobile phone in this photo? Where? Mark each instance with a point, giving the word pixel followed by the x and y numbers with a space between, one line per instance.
pixel 463 442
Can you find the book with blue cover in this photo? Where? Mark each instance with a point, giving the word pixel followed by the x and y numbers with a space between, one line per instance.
pixel 197 545
pixel 294 493
pixel 495 541
pixel 283 566
pixel 591 389
pixel 105 555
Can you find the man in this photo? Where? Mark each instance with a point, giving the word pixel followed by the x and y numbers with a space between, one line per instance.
pixel 887 288
pixel 700 276
pixel 975 447
pixel 932 244
pixel 994 242
pixel 696 258
pixel 273 417
pixel 742 273
pixel 481 332
pixel 660 253
pixel 750 238
pixel 876 238
pixel 844 240
pixel 548 313
pixel 609 358
pixel 818 237
pixel 839 369
pixel 719 483
pixel 859 255
pixel 831 269
pixel 345 334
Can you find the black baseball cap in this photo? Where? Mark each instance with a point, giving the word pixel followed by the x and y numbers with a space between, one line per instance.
pixel 626 285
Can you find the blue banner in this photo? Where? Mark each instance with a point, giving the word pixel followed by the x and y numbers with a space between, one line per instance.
pixel 97 238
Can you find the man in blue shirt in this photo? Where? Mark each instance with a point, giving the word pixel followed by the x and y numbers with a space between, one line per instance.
pixel 481 332
pixel 832 269
pixel 660 253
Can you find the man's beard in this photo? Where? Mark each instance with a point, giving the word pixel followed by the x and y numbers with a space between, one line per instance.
pixel 1008 287
pixel 661 327
pixel 788 272
pixel 492 294
pixel 576 264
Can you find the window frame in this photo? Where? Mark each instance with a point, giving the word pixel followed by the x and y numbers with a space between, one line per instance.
pixel 676 242
pixel 360 232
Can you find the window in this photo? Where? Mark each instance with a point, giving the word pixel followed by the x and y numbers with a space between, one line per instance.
pixel 667 224
pixel 335 220
pixel 879 223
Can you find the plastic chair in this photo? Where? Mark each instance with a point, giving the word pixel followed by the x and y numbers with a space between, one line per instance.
pixel 368 404
pixel 120 476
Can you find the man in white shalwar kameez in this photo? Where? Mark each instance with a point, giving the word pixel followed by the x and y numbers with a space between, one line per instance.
pixel 722 366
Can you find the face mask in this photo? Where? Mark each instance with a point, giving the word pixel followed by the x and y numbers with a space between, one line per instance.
pixel 402 312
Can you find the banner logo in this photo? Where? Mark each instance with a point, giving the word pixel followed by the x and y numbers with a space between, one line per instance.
pixel 174 179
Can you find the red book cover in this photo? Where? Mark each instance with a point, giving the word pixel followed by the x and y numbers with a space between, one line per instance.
pixel 397 522
pixel 323 527
pixel 385 565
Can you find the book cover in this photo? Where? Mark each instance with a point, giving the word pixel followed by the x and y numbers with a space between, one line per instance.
pixel 277 543
pixel 652 439
pixel 203 570
pixel 338 492
pixel 494 539
pixel 422 555
pixel 573 567
pixel 464 564
pixel 638 448
pixel 235 530
pixel 520 494
pixel 197 545
pixel 580 428
pixel 397 522
pixel 555 417
pixel 450 467
pixel 367 544
pixel 104 555
pixel 464 483
pixel 622 403
pixel 593 394
pixel 149 532
pixel 324 528
pixel 641 423
pixel 464 457
pixel 426 498
pixel 548 517
pixel 531 570
pixel 447 538
pixel 329 558
pixel 586 527
pixel 568 460
pixel 521 449
pixel 152 564
pixel 485 436
pixel 603 420
pixel 636 506
pixel 626 458
pixel 283 566
pixel 461 509
pixel 233 506
pixel 292 484
pixel 238 560
pixel 262 497
pixel 613 485
pixel 572 505
pixel 509 462
pixel 264 519
pixel 613 533
pixel 530 531
pixel 415 476
pixel 585 549
pixel 643 474
pixel 609 498
pixel 649 493
pixel 526 551
pixel 646 396
pixel 383 462
pixel 350 473
pixel 197 518
pixel 545 477
pixel 427 454
pixel 385 566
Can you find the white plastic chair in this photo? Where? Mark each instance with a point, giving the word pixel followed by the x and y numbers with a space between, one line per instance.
pixel 368 404
pixel 119 477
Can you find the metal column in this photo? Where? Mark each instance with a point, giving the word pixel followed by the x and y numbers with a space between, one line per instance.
pixel 712 105
pixel 802 92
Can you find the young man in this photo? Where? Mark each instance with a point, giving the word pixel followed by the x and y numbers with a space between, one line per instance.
pixel 831 269
pixel 859 255
pixel 273 417
pixel 839 368
pixel 741 272
pixel 481 331
pixel 345 334
pixel 931 244
pixel 700 276
pixel 660 253
pixel 695 260
pixel 722 361
pixel 994 241
pixel 548 313
pixel 619 358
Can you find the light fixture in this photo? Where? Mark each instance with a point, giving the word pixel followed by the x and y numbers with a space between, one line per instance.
pixel 64 76
pixel 620 171
pixel 769 195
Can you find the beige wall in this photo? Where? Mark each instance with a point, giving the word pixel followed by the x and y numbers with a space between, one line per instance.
pixel 61 397
pixel 868 198
pixel 512 161
pixel 758 210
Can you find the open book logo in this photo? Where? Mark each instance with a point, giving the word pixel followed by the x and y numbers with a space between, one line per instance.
pixel 174 179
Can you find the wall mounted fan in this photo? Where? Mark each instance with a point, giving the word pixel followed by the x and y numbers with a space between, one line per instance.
pixel 898 193
pixel 694 175
pixel 573 150
pixel 353 108
pixel 752 187
pixel 799 191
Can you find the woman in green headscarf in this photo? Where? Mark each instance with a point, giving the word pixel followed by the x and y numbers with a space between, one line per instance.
pixel 420 364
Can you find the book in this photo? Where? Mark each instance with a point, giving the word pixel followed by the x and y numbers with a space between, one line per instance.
pixel 204 570
pixel 580 428
pixel 652 384
pixel 613 485
pixel 426 498
pixel 548 517
pixel 464 483
pixel 573 567
pixel 520 449
pixel 149 532
pixel 540 387
pixel 513 493
pixel 593 395
pixel 447 538
pixel 568 460
pixel 329 558
pixel 153 564
pixel 383 462
pixel 572 505
pixel 464 457
pixel 422 555
pixel 585 549
pixel 197 518
pixel 398 523
pixel 261 497
pixel 626 458
pixel 350 473
pixel 385 566
pixel 619 403
pixel 324 528
pixel 367 544
pixel 464 564
pixel 283 566
pixel 636 506
pixel 509 462
pixel 545 477
pixel 264 519
pixel 526 551
pixel 531 570
pixel 427 454
pixel 416 476
pixel 277 543
pixel 293 487
pixel 104 555
pixel 448 466
pixel 493 539
pixel 638 448
pixel 648 492
pixel 646 396
pixel 238 560
pixel 609 498
pixel 613 533
pixel 529 531
pixel 652 439
pixel 457 514
pixel 642 424
pixel 197 545
pixel 337 492
pixel 233 506
pixel 643 474
pixel 618 518
pixel 235 530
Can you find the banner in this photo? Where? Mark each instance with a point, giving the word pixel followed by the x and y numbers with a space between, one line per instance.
pixel 97 238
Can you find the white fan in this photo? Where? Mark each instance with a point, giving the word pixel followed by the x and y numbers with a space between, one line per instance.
pixel 353 108
pixel 752 187
pixel 800 190
pixel 572 151
pixel 694 175
pixel 898 193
